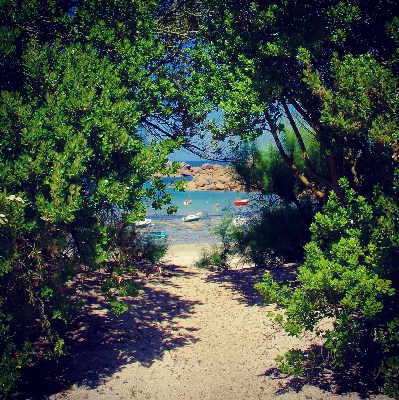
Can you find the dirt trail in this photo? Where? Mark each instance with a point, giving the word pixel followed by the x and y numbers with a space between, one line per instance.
pixel 192 334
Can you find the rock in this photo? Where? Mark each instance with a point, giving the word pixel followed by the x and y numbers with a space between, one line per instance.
pixel 192 185
pixel 209 177
pixel 185 166
pixel 207 166
pixel 219 186
pixel 201 182
pixel 185 169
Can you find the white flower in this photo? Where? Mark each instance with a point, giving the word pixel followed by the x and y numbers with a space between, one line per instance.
pixel 13 197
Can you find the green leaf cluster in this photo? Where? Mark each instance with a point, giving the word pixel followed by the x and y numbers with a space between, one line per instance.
pixel 349 278
pixel 328 70
pixel 79 80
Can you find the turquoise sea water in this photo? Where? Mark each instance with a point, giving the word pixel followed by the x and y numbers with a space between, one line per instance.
pixel 212 204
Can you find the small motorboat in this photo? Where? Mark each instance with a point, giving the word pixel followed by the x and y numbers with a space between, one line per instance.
pixel 160 235
pixel 143 223
pixel 192 217
pixel 241 202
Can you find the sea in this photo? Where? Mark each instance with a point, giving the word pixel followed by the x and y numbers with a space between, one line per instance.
pixel 214 206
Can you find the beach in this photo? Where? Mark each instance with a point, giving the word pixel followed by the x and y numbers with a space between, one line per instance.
pixel 191 334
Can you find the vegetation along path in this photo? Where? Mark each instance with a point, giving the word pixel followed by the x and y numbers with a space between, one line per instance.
pixel 192 334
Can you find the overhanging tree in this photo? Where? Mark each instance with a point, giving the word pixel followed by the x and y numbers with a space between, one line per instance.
pixel 262 63
pixel 331 67
pixel 80 83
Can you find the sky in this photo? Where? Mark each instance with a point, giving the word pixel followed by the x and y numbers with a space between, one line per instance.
pixel 183 155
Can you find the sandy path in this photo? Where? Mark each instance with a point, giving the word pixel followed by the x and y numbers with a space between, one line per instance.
pixel 191 335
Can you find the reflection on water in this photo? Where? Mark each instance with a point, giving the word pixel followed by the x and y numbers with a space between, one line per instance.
pixel 184 232
pixel 213 205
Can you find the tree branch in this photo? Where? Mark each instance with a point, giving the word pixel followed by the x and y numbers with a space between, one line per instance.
pixel 305 115
pixel 302 178
pixel 305 156
pixel 158 131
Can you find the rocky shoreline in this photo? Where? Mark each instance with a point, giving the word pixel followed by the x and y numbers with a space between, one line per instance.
pixel 210 177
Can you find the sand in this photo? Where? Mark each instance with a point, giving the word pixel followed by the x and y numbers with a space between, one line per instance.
pixel 191 334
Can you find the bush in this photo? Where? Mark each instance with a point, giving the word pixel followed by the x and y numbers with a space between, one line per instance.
pixel 276 235
pixel 154 249
pixel 213 259
pixel 350 276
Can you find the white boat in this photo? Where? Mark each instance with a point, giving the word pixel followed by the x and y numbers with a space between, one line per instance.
pixel 192 217
pixel 143 223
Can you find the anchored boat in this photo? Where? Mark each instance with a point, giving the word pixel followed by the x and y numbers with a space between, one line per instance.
pixel 192 217
pixel 143 224
pixel 241 202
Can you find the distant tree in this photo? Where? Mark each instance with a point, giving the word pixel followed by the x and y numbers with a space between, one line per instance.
pixel 264 170
pixel 286 207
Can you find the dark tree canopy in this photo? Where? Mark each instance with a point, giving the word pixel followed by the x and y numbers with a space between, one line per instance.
pixel 312 64
pixel 82 82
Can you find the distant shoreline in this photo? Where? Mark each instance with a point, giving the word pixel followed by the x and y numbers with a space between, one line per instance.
pixel 209 176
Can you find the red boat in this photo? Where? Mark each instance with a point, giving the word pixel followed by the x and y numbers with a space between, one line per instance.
pixel 241 202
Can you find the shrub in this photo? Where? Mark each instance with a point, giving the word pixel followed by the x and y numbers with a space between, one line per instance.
pixel 278 233
pixel 214 258
pixel 350 276
pixel 154 249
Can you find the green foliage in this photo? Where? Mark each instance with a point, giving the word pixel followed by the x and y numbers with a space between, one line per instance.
pixel 331 68
pixel 281 226
pixel 118 307
pixel 277 234
pixel 154 249
pixel 391 371
pixel 79 82
pixel 328 68
pixel 291 362
pixel 263 168
pixel 12 358
pixel 350 277
pixel 214 258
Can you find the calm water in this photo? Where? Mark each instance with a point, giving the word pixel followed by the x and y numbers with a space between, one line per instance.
pixel 212 204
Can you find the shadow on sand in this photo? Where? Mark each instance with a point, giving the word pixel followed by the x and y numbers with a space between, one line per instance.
pixel 349 378
pixel 98 343
pixel 242 281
